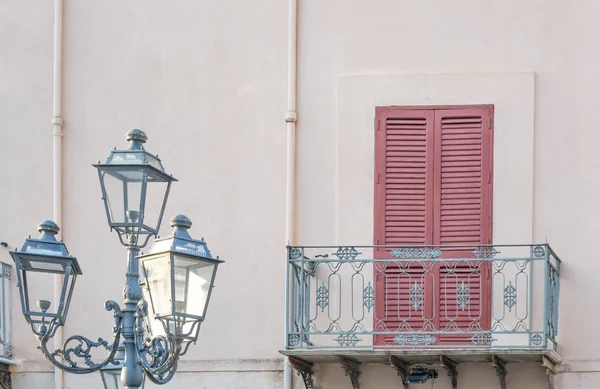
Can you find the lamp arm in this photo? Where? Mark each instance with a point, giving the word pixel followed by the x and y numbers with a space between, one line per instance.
pixel 159 354
pixel 78 348
pixel 163 378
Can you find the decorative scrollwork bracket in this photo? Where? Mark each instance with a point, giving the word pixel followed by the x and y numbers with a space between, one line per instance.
pixel 500 366
pixel 304 369
pixel 158 355
pixel 78 349
pixel 5 381
pixel 452 368
pixel 352 369
pixel 550 371
pixel 402 368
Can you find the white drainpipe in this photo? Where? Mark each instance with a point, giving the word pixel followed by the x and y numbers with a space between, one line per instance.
pixel 57 127
pixel 290 119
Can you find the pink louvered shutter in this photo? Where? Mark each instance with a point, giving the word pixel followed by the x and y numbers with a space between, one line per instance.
pixel 403 214
pixel 462 192
pixel 463 216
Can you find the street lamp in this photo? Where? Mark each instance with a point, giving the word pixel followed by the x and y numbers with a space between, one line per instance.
pixel 180 274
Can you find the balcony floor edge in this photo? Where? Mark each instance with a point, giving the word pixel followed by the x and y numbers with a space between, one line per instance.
pixel 414 356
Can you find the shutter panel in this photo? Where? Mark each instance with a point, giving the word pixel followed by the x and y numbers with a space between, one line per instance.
pixel 403 177
pixel 462 190
pixel 403 215
pixel 462 198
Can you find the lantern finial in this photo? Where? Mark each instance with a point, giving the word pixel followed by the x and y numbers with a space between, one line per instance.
pixel 180 221
pixel 181 224
pixel 48 230
pixel 136 139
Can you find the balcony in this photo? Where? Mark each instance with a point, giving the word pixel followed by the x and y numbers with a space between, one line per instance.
pixel 414 305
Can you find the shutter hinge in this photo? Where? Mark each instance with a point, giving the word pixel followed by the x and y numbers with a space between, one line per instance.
pixel 489 122
pixel 489 177
pixel 377 124
pixel 377 179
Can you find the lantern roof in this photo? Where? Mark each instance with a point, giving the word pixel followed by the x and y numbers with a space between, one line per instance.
pixel 46 247
pixel 135 155
pixel 181 242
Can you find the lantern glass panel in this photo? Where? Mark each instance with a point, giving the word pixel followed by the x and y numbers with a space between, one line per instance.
pixel 154 325
pixel 44 266
pixel 126 158
pixel 193 280
pixel 155 162
pixel 111 373
pixel 35 246
pixel 158 279
pixel 123 190
pixel 39 287
pixel 111 378
pixel 156 197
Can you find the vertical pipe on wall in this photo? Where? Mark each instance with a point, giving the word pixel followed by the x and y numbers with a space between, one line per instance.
pixel 290 119
pixel 57 127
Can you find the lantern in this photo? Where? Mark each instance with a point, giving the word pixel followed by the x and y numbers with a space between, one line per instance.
pixel 129 180
pixel 41 259
pixel 180 273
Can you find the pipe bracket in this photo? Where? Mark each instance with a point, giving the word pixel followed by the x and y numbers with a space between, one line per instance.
pixel 57 121
pixel 291 117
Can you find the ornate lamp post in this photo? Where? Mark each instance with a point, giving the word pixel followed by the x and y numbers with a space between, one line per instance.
pixel 180 274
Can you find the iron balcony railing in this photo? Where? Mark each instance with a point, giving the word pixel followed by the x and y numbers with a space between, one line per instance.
pixel 381 297
pixel 5 311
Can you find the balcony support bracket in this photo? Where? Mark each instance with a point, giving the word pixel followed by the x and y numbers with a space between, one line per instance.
pixel 451 366
pixel 500 366
pixel 402 368
pixel 304 370
pixel 352 369
pixel 550 371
